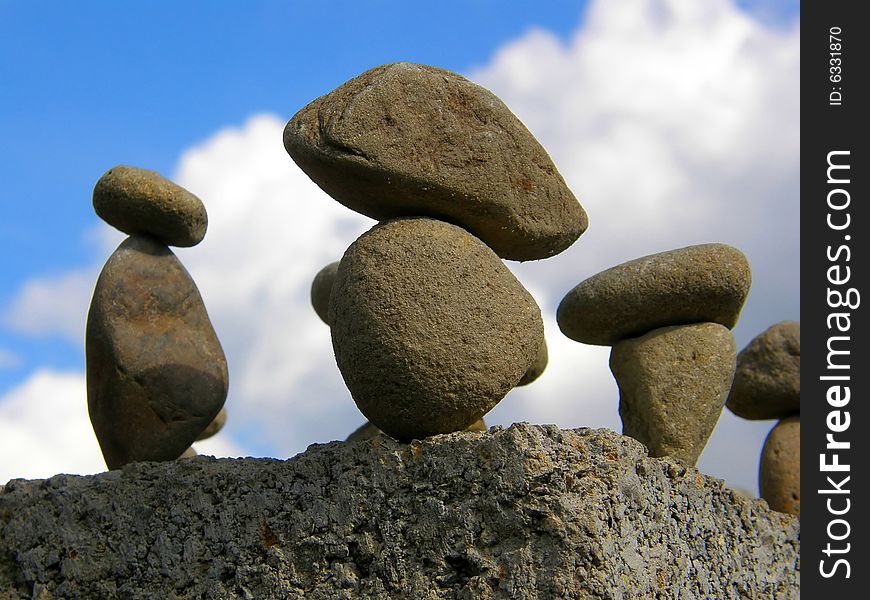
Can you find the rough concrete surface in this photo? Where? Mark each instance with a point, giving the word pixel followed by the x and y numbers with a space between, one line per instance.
pixel 524 512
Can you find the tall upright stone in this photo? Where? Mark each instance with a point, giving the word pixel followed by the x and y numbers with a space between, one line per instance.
pixel 156 372
pixel 673 383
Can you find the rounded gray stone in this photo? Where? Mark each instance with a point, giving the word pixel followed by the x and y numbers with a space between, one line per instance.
pixel 189 453
pixel 321 290
pixel 672 386
pixel 767 383
pixel 142 202
pixel 156 373
pixel 367 431
pixel 779 475
pixel 216 425
pixel 538 366
pixel 430 329
pixel 404 140
pixel 696 284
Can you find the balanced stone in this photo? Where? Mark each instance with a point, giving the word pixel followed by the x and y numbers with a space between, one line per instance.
pixel 367 431
pixel 430 329
pixel 767 383
pixel 411 140
pixel 697 284
pixel 537 367
pixel 138 201
pixel 216 425
pixel 156 373
pixel 672 386
pixel 321 290
pixel 189 453
pixel 779 476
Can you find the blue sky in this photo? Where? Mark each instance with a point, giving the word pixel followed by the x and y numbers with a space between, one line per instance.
pixel 88 85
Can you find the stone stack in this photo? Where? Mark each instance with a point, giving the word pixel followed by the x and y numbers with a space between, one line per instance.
pixel 667 317
pixel 429 327
pixel 767 385
pixel 156 372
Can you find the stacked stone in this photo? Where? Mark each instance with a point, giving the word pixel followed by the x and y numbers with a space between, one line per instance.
pixel 667 317
pixel 156 373
pixel 430 329
pixel 767 385
pixel 321 291
pixel 367 431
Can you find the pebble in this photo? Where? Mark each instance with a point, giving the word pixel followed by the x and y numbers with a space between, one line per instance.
pixel 321 290
pixel 430 329
pixel 767 384
pixel 366 431
pixel 406 140
pixel 697 284
pixel 156 373
pixel 216 425
pixel 779 476
pixel 537 367
pixel 672 386
pixel 142 202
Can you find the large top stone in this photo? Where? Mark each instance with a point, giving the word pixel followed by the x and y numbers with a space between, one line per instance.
pixel 430 329
pixel 696 284
pixel 767 384
pixel 410 140
pixel 138 201
pixel 522 513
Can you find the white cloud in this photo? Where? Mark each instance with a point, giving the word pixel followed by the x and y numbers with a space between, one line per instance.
pixel 44 428
pixel 674 121
pixel 53 305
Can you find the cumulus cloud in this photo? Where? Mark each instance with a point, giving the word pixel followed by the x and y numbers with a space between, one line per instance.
pixel 53 306
pixel 44 428
pixel 270 230
pixel 675 123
